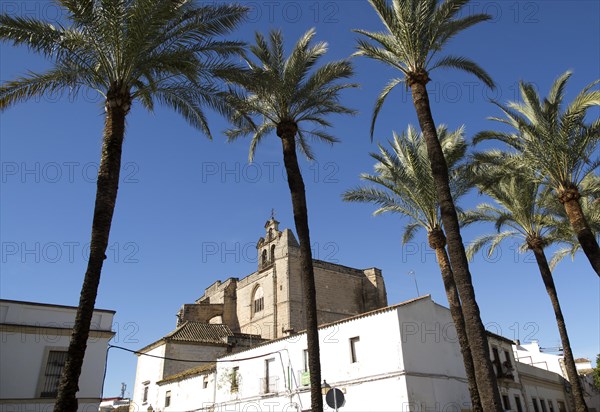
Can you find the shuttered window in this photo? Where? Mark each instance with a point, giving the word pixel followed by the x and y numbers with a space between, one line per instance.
pixel 54 367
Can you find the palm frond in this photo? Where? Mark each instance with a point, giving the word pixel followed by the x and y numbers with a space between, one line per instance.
pixel 381 100
pixel 464 64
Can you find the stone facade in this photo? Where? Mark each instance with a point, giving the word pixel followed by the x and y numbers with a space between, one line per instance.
pixel 270 303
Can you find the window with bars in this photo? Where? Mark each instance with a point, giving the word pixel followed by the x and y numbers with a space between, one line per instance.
pixel 54 367
pixel 234 379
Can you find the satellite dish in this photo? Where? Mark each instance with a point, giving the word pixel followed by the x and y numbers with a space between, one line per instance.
pixel 335 398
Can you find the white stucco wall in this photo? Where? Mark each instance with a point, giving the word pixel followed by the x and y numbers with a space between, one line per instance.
pixel 188 394
pixel 28 331
pixel 432 358
pixel 149 371
pixel 541 384
pixel 530 354
pixel 403 360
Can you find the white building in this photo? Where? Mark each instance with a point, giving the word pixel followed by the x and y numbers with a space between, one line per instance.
pixel 403 357
pixel 531 354
pixel 34 342
pixel 177 355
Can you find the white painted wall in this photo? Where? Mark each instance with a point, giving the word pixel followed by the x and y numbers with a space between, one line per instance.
pixel 188 394
pixel 530 354
pixel 149 371
pixel 407 358
pixel 24 350
pixel 541 384
pixel 152 370
pixel 403 360
pixel 26 313
pixel 432 358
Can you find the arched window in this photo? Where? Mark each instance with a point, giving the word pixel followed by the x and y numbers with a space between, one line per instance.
pixel 258 300
pixel 264 258
pixel 272 253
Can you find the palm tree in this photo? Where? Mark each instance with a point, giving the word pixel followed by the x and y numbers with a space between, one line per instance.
pixel 403 184
pixel 141 50
pixel 590 192
pixel 520 210
pixel 284 94
pixel 558 146
pixel 415 32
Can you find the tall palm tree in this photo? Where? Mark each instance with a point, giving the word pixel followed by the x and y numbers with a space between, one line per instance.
pixel 558 145
pixel 403 184
pixel 415 32
pixel 590 192
pixel 283 94
pixel 141 50
pixel 520 210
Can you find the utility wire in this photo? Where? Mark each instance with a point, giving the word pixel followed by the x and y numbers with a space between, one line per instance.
pixel 191 360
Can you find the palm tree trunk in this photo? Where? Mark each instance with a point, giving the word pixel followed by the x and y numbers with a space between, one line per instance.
pixel 287 133
pixel 106 196
pixel 437 241
pixel 570 200
pixel 577 390
pixel 486 380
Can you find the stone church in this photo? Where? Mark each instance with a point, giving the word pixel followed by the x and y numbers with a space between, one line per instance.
pixel 269 302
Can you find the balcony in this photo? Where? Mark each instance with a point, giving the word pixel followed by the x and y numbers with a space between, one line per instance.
pixel 269 385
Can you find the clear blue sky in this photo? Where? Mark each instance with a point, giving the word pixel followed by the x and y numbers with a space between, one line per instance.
pixel 190 210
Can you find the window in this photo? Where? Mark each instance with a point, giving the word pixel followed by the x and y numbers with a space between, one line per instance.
pixel 561 406
pixel 550 406
pixel 535 405
pixel 145 397
pixel 353 349
pixel 205 382
pixel 507 357
pixel 506 402
pixel 258 300
pixel 234 379
pixel 264 258
pixel 273 253
pixel 304 375
pixel 305 359
pixel 518 403
pixel 167 399
pixel 54 366
pixel 496 361
pixel 270 380
pixel 543 403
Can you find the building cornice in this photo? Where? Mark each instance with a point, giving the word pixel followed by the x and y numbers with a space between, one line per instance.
pixel 50 330
pixel 23 302
pixel 9 401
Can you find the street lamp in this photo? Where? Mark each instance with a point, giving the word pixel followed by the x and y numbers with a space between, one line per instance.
pixel 325 387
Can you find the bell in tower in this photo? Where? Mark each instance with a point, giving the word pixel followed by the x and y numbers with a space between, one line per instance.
pixel 266 245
